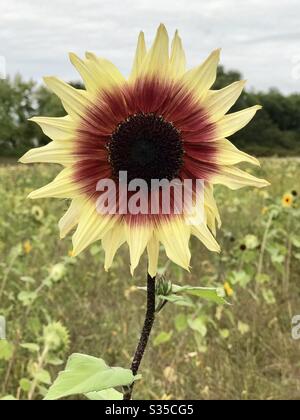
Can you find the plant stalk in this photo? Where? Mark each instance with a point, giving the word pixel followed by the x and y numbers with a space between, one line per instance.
pixel 145 334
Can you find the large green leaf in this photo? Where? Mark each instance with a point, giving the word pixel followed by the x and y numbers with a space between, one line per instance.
pixel 85 374
pixel 107 394
pixel 8 398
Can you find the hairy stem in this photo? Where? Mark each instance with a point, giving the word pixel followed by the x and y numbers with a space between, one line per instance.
pixel 148 324
pixel 40 365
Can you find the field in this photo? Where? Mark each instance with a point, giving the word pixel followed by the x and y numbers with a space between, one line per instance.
pixel 200 351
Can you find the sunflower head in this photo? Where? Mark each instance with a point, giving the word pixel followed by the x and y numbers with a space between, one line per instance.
pixel 163 123
pixel 27 247
pixel 287 200
pixel 37 213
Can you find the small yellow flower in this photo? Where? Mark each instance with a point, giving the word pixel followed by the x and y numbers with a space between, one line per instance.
pixel 71 253
pixel 287 200
pixel 264 210
pixel 27 247
pixel 228 289
pixel 167 397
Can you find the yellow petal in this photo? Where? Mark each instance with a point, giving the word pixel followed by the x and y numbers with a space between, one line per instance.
pixel 174 234
pixel 153 254
pixel 111 242
pixel 218 102
pixel 205 236
pixel 89 78
pixel 140 55
pixel 106 73
pixel 54 152
pixel 92 227
pixel 201 78
pixel 137 237
pixel 71 217
pixel 63 186
pixel 235 178
pixel 231 123
pixel 211 209
pixel 56 128
pixel 228 154
pixel 75 101
pixel 156 61
pixel 177 60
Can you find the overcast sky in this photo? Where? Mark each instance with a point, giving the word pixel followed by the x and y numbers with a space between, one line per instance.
pixel 261 38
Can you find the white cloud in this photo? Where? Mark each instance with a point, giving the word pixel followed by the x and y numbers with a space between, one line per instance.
pixel 261 38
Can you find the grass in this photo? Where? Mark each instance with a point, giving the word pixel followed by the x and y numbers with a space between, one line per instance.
pixel 243 351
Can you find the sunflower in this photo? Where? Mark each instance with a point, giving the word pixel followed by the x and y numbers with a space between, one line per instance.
pixel 162 122
pixel 228 289
pixel 287 200
pixel 27 247
pixel 37 213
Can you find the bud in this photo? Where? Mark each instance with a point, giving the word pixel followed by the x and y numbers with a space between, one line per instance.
pixel 163 286
pixel 57 272
pixel 56 336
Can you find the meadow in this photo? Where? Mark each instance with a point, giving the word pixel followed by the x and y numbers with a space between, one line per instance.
pixel 56 304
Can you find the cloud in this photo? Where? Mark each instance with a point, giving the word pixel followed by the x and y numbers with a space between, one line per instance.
pixel 258 37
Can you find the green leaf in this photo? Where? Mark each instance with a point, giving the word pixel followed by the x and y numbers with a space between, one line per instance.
pixel 269 296
pixel 8 398
pixel 177 300
pixel 32 347
pixel 162 338
pixel 54 361
pixel 211 294
pixel 85 374
pixel 27 279
pixel 27 298
pixel 25 384
pixel 43 376
pixel 180 322
pixel 6 350
pixel 263 278
pixel 198 324
pixel 240 277
pixel 296 242
pixel 107 394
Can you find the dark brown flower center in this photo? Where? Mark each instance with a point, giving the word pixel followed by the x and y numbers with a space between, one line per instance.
pixel 147 147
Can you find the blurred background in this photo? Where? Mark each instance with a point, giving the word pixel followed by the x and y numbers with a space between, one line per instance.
pixel 198 351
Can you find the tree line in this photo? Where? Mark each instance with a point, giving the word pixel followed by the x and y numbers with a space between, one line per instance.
pixel 275 131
